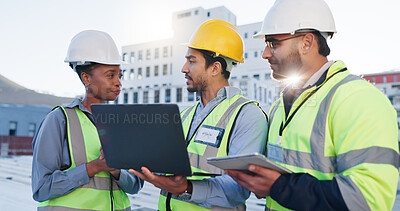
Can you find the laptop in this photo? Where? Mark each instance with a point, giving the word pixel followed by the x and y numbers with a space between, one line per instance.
pixel 139 135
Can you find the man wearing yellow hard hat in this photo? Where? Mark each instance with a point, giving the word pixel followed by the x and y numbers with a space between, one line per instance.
pixel 239 124
pixel 336 132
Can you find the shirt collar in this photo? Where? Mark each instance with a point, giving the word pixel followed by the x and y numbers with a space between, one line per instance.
pixel 315 77
pixel 223 93
pixel 78 103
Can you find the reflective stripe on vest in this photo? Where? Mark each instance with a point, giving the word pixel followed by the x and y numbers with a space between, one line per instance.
pixel 178 205
pixel 222 116
pixel 57 208
pixel 187 111
pixel 200 161
pixel 94 195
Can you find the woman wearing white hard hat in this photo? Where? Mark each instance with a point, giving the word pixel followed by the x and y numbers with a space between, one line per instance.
pixel 337 133
pixel 68 170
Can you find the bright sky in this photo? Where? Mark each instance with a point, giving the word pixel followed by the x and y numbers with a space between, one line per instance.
pixel 35 34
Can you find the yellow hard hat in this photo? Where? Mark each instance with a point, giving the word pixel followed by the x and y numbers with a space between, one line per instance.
pixel 220 37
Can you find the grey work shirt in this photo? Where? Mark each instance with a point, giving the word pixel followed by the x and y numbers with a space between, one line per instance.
pixel 50 155
pixel 249 134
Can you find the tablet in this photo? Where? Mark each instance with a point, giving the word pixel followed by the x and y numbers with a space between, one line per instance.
pixel 136 135
pixel 241 162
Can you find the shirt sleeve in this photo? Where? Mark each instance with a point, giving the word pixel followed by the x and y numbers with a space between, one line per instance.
pixel 290 190
pixel 48 181
pixel 249 135
pixel 129 182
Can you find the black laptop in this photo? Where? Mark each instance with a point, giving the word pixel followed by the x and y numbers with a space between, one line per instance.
pixel 139 135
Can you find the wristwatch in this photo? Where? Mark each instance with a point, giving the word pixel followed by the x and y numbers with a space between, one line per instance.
pixel 185 196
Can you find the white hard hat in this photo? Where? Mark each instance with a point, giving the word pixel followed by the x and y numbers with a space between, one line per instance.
pixel 289 16
pixel 92 46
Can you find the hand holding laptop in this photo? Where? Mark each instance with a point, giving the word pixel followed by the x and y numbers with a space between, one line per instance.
pixel 173 184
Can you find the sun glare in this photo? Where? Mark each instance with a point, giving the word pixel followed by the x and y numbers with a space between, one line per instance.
pixel 293 80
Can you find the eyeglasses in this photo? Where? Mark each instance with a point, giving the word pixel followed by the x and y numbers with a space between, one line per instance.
pixel 271 44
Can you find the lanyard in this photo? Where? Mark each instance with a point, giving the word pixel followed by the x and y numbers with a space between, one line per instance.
pixel 283 126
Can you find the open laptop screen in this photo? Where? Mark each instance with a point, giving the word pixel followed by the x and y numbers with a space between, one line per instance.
pixel 136 135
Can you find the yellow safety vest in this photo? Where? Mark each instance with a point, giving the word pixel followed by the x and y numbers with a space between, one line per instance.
pixel 221 118
pixel 84 146
pixel 332 135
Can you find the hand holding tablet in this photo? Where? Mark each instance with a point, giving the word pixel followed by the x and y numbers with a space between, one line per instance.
pixel 241 162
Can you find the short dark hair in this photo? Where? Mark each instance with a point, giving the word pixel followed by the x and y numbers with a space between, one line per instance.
pixel 84 68
pixel 210 58
pixel 323 47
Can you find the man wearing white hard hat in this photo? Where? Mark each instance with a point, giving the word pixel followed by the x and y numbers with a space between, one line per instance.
pixel 237 124
pixel 69 171
pixel 335 131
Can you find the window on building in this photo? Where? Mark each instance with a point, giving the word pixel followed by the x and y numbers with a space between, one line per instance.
pixel 170 69
pixel 145 96
pixel 124 57
pixel 196 12
pixel 185 14
pixel 147 72
pixel 245 55
pixel 13 128
pixel 384 79
pixel 156 96
pixel 165 51
pixel 243 87
pixel 135 97
pixel 140 57
pixel 116 100
pixel 148 55
pixel 233 77
pixel 255 54
pixel 255 32
pixel 170 51
pixel 132 57
pixel 168 95
pixel 245 35
pixel 208 14
pixel 123 75
pixel 373 80
pixel 265 95
pixel 156 70
pixel 178 95
pixel 125 98
pixel 31 129
pixel 256 76
pixel 132 74
pixel 165 69
pixel 395 78
pixel 190 96
pixel 156 53
pixel 255 91
pixel 139 74
pixel 245 76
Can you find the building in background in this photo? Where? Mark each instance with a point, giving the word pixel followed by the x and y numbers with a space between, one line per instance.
pixel 389 84
pixel 21 112
pixel 153 73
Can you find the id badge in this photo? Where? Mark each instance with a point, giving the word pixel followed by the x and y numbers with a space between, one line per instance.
pixel 209 135
pixel 275 152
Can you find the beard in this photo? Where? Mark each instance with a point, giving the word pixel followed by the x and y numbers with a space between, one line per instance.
pixel 287 66
pixel 198 86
